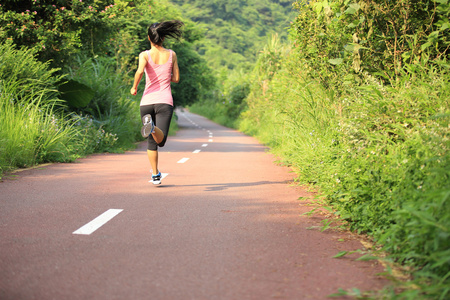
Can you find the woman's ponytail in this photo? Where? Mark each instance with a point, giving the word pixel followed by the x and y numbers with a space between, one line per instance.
pixel 158 31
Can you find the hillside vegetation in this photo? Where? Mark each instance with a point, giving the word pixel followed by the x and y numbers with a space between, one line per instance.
pixel 358 104
pixel 353 95
pixel 66 70
pixel 236 30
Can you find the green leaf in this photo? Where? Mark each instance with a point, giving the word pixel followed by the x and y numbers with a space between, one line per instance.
pixel 352 8
pixel 76 94
pixel 341 254
pixel 425 46
pixel 341 292
pixel 367 257
pixel 309 213
pixel 336 61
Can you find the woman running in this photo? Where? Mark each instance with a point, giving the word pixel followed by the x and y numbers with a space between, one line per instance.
pixel 161 68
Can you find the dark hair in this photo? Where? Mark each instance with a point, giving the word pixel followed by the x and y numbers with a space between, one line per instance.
pixel 158 31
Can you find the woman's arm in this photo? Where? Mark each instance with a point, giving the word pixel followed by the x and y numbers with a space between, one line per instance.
pixel 175 70
pixel 140 71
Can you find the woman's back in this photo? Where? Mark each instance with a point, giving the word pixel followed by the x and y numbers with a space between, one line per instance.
pixel 159 57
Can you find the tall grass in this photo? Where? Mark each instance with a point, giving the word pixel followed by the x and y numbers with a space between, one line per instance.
pixel 378 153
pixel 112 109
pixel 30 131
pixel 36 126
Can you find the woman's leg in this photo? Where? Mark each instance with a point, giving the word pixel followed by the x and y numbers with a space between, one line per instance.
pixel 163 116
pixel 152 147
pixel 158 135
pixel 153 158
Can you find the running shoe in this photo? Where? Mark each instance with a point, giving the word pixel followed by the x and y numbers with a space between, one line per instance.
pixel 156 179
pixel 148 127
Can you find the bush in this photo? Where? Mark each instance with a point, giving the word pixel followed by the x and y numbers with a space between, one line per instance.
pixel 378 153
pixel 31 128
pixel 111 110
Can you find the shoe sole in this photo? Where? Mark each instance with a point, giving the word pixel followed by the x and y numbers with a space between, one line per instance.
pixel 146 116
pixel 146 130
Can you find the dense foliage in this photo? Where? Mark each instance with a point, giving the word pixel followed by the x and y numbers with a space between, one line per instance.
pixel 70 64
pixel 357 101
pixel 359 106
pixel 236 29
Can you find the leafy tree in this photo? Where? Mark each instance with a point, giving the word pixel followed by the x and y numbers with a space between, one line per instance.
pixel 57 29
pixel 236 30
pixel 370 36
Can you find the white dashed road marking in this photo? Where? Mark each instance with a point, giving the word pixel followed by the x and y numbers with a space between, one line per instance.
pixel 98 222
pixel 183 160
pixel 205 145
pixel 196 151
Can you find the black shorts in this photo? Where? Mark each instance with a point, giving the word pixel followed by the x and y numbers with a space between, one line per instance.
pixel 161 115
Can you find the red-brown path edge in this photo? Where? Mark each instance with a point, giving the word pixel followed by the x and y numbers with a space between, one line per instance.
pixel 226 223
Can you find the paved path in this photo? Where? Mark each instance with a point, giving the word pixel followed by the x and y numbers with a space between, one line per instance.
pixel 225 224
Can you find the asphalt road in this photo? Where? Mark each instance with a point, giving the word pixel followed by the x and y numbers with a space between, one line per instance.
pixel 225 224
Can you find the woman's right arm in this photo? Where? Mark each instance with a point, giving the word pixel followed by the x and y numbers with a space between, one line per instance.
pixel 175 70
pixel 139 73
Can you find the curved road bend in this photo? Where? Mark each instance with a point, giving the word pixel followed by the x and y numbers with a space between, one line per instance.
pixel 224 224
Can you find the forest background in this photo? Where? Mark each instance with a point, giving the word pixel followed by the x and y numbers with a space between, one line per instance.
pixel 353 95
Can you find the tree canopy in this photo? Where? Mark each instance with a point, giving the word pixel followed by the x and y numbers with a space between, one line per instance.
pixel 236 30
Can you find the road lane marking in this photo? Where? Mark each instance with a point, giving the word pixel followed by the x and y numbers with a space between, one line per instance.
pixel 183 160
pixel 205 145
pixel 98 222
pixel 210 140
pixel 196 151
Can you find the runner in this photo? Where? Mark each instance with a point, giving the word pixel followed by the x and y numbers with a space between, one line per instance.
pixel 161 68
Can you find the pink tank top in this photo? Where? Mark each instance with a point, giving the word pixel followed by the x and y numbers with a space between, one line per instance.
pixel 157 82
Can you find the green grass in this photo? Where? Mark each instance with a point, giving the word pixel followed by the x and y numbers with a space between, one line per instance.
pixel 30 132
pixel 379 154
pixel 37 127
